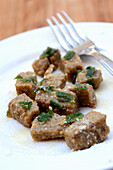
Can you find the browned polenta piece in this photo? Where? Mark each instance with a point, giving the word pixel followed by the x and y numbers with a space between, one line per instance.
pixel 86 132
pixel 40 66
pixel 95 80
pixel 57 80
pixel 55 59
pixel 27 86
pixel 49 56
pixel 71 66
pixel 53 128
pixel 85 93
pixel 23 115
pixel 43 99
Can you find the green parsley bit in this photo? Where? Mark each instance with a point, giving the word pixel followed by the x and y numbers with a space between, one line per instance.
pixel 28 79
pixel 55 104
pixel 25 80
pixel 73 117
pixel 39 88
pixel 41 82
pixel 48 52
pixel 75 76
pixel 7 114
pixel 65 97
pixel 81 86
pixel 90 71
pixel 69 55
pixel 18 77
pixel 50 111
pixel 44 117
pixel 26 105
pixel 48 89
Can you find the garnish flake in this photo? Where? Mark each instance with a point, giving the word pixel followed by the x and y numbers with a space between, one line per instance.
pixel 48 52
pixel 48 89
pixel 18 77
pixel 81 86
pixel 7 114
pixel 28 79
pixel 26 105
pixel 73 117
pixel 65 97
pixel 75 76
pixel 25 80
pixel 44 117
pixel 90 71
pixel 41 82
pixel 69 55
pixel 55 104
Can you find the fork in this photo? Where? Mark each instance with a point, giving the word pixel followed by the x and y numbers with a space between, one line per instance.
pixel 70 37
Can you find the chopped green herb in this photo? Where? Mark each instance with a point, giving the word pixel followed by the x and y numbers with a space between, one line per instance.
pixel 41 82
pixel 55 104
pixel 81 86
pixel 48 52
pixel 73 117
pixel 44 117
pixel 39 88
pixel 26 105
pixel 7 114
pixel 75 76
pixel 28 79
pixel 50 111
pixel 18 77
pixel 90 81
pixel 65 97
pixel 25 80
pixel 69 55
pixel 49 89
pixel 90 71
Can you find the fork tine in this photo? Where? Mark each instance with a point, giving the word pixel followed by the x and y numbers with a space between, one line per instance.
pixel 66 37
pixel 76 29
pixel 68 30
pixel 87 47
pixel 58 36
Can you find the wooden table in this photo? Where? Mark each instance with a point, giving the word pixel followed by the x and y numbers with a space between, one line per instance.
pixel 21 15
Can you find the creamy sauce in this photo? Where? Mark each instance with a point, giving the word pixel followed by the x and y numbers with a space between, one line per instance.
pixel 21 136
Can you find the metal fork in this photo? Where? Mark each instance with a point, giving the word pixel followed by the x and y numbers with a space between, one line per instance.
pixel 71 38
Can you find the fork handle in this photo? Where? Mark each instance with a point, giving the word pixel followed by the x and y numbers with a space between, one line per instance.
pixel 106 62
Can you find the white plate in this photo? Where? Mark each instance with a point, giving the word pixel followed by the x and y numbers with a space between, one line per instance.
pixel 17 148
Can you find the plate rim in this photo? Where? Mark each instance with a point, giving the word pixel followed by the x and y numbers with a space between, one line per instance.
pixel 45 27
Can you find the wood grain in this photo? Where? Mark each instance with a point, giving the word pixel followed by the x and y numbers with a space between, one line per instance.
pixel 21 15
